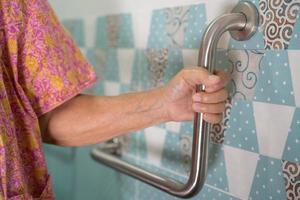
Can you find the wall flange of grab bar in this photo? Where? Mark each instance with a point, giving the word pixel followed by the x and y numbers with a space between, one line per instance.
pixel 242 24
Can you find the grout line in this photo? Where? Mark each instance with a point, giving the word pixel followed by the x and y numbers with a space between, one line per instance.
pixel 220 190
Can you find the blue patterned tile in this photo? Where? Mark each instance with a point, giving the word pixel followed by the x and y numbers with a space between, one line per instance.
pixel 268 181
pixel 216 174
pixel 158 37
pixel 208 193
pixel 101 33
pixel 126 37
pixel 76 28
pixel 195 27
pixel 295 40
pixel 112 66
pixel 140 79
pixel 274 83
pixel 171 157
pixel 175 64
pixel 241 132
pixel 97 58
pixel 292 145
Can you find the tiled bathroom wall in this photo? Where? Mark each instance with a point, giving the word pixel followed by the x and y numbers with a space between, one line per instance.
pixel 254 152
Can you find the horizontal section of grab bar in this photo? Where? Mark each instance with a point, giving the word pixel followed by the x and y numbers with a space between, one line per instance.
pixel 242 23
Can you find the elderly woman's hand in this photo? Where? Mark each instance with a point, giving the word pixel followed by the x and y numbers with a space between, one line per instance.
pixel 182 101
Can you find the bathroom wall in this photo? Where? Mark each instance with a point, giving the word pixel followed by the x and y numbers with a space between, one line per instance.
pixel 137 45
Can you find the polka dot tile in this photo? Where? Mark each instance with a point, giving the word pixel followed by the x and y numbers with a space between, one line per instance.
pixel 101 34
pixel 274 83
pixel 140 80
pixel 210 193
pixel 175 64
pixel 241 131
pixel 216 175
pixel 295 40
pixel 172 157
pixel 126 37
pixel 141 145
pixel 158 36
pixel 186 128
pixel 76 28
pixel 268 180
pixel 196 26
pixel 292 145
pixel 97 57
pixel 256 42
pixel 112 66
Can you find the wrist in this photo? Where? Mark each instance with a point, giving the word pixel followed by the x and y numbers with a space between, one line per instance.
pixel 162 98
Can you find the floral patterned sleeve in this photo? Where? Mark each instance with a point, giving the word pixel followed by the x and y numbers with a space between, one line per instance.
pixel 51 68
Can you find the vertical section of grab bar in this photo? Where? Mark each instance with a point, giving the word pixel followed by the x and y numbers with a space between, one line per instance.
pixel 206 59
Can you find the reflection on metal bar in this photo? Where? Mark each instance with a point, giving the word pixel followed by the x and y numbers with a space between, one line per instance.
pixel 242 24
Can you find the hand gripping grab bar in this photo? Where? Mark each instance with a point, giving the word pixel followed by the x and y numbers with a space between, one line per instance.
pixel 242 24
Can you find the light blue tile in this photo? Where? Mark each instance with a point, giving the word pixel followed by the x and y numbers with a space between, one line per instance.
pixel 126 37
pixel 94 180
pixel 208 193
pixel 175 64
pixel 268 180
pixel 158 36
pixel 195 27
pixel 295 40
pixel 140 80
pixel 101 33
pixel 172 157
pixel 241 132
pixel 274 83
pixel 76 28
pixel 98 64
pixel 112 66
pixel 292 146
pixel 216 175
pixel 61 166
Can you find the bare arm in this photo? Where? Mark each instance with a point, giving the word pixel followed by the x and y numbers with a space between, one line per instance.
pixel 90 119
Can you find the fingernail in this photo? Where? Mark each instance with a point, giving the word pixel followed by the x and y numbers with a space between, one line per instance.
pixel 214 78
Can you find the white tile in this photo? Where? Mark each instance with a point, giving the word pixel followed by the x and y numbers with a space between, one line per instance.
pixel 90 30
pixel 240 170
pixel 272 126
pixel 125 60
pixel 155 139
pixel 141 22
pixel 112 88
pixel 294 61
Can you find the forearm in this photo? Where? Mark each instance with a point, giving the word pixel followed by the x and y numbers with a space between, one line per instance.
pixel 91 119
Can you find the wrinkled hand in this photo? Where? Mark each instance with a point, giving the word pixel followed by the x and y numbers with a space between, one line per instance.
pixel 182 100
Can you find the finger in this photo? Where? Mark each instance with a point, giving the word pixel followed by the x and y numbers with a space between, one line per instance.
pixel 213 118
pixel 199 75
pixel 209 108
pixel 225 78
pixel 216 97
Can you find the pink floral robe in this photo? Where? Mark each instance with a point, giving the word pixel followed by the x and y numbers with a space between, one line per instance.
pixel 40 68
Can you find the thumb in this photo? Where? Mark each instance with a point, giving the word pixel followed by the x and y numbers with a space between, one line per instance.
pixel 199 75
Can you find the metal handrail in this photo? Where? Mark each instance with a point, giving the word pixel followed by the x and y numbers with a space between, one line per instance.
pixel 242 24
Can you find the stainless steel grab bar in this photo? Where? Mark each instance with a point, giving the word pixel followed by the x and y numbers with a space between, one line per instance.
pixel 242 24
